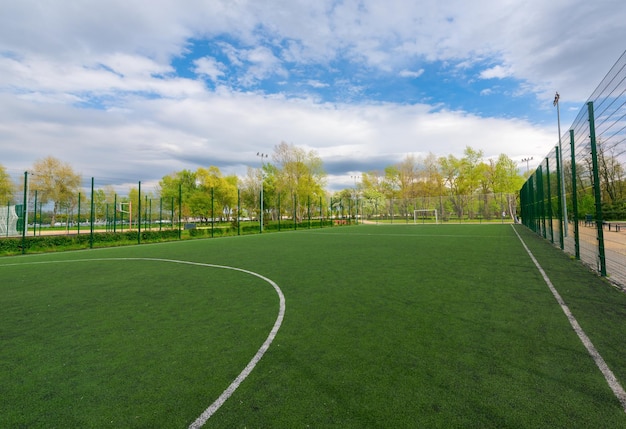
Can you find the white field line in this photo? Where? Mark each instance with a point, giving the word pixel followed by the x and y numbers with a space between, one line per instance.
pixel 200 421
pixel 610 378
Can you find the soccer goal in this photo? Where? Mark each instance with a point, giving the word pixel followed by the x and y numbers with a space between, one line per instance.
pixel 8 221
pixel 424 215
pixel 126 207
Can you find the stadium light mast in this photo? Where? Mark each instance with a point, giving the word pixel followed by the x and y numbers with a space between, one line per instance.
pixel 562 178
pixel 526 161
pixel 262 156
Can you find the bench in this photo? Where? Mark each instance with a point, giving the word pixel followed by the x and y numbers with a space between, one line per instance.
pixel 589 220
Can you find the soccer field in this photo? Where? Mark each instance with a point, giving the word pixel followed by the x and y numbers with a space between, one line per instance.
pixel 398 326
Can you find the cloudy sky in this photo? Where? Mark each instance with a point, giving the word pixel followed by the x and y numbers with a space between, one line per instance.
pixel 129 90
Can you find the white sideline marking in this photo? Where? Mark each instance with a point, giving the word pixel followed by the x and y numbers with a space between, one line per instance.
pixel 200 421
pixel 610 378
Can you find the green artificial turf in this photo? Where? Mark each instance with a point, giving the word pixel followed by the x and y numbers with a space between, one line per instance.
pixel 385 326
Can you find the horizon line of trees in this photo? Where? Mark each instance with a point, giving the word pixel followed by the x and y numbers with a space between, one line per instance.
pixel 290 174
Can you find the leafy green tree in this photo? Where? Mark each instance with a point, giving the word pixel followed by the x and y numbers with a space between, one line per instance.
pixel 55 181
pixel 299 174
pixel 172 185
pixel 7 187
pixel 224 192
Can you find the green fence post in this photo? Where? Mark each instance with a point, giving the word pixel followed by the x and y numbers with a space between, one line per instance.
pixel 574 196
pixel 596 189
pixel 78 229
pixel 180 209
pixel 550 213
pixel 280 214
pixel 295 214
pixel 114 212
pixel 321 214
pixel 238 210
pixel 261 210
pixel 349 211
pixel 542 202
pixel 560 197
pixel 24 211
pixel 172 214
pixel 160 213
pixel 35 218
pixel 212 212
pixel 91 218
pixel 139 214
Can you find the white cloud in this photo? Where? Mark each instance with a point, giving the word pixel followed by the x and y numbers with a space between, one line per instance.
pixel 209 67
pixel 156 137
pixel 496 72
pixel 118 53
pixel 411 74
pixel 317 84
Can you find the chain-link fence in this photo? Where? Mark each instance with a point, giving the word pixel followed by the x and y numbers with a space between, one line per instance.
pixel 97 206
pixel 576 198
pixel 489 207
pixel 36 208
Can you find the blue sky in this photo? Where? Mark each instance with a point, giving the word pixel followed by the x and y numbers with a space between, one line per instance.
pixel 127 91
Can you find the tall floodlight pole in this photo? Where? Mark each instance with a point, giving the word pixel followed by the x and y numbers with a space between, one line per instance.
pixel 262 156
pixel 562 178
pixel 526 160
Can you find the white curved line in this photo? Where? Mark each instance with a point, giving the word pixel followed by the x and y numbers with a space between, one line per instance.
pixel 200 421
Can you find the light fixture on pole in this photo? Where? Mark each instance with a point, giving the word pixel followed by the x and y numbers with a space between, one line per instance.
pixel 526 161
pixel 262 156
pixel 562 178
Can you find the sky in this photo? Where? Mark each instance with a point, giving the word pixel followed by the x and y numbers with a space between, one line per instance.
pixel 129 90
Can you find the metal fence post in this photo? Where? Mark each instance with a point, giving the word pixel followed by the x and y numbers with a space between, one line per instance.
pixel 550 214
pixel 91 217
pixel 212 212
pixel 180 209
pixel 139 214
pixel 24 211
pixel 596 189
pixel 542 203
pixel 560 196
pixel 574 196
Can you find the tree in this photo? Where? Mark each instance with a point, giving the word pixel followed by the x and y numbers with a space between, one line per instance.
pixel 299 174
pixel 224 192
pixel 170 185
pixel 55 181
pixel 7 187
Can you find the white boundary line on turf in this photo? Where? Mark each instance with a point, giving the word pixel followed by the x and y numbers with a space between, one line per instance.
pixel 200 421
pixel 610 378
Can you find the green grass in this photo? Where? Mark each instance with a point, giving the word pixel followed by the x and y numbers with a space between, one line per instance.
pixel 385 326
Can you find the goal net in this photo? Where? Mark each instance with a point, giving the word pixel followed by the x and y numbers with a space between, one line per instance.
pixel 8 221
pixel 425 215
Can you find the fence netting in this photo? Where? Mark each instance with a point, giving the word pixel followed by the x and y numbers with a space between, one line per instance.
pixel 100 206
pixel 576 198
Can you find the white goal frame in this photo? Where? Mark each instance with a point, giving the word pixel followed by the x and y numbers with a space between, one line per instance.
pixel 8 221
pixel 416 212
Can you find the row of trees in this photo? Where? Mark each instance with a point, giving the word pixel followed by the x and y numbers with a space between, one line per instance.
pixel 291 175
pixel 458 179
